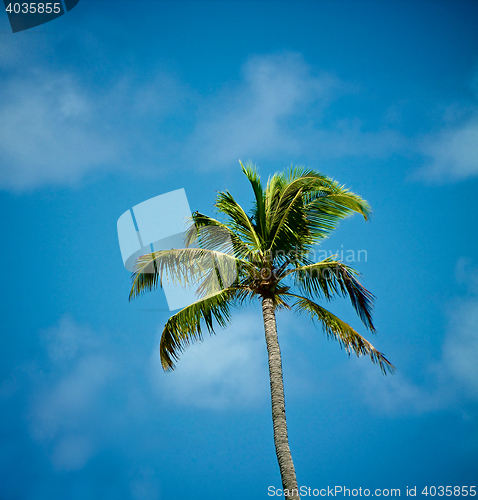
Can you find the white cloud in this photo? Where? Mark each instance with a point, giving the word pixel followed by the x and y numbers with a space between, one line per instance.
pixel 145 485
pixel 56 129
pixel 64 340
pixel 397 394
pixel 251 118
pixel 72 453
pixel 49 132
pixel 466 274
pixel 460 350
pixel 75 408
pixel 277 109
pixel 65 402
pixel 451 379
pixel 453 153
pixel 230 369
pixel 226 370
pixel 65 399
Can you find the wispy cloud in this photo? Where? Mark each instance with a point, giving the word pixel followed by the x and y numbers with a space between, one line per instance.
pixel 278 109
pixel 70 391
pixel 452 154
pixel 72 453
pixel 145 485
pixel 57 129
pixel 452 379
pixel 50 132
pixel 460 349
pixel 64 403
pixel 252 117
pixel 226 370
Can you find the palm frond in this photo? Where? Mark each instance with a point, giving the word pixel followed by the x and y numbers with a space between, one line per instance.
pixel 258 211
pixel 327 207
pixel 338 330
pixel 304 206
pixel 185 327
pixel 289 226
pixel 330 278
pixel 240 223
pixel 211 234
pixel 183 266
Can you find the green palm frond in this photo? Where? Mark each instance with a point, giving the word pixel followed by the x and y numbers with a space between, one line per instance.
pixel 347 337
pixel 223 272
pixel 240 223
pixel 318 186
pixel 330 278
pixel 288 227
pixel 183 266
pixel 185 327
pixel 326 208
pixel 303 206
pixel 258 211
pixel 211 234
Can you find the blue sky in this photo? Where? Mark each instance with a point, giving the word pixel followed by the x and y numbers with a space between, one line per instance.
pixel 118 102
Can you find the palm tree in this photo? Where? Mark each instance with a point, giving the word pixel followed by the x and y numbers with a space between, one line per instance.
pixel 269 251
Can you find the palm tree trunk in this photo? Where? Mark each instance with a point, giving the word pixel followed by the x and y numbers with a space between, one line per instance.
pixel 281 440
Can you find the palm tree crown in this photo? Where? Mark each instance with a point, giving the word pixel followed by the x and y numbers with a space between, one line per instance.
pixel 265 255
pixel 269 249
